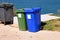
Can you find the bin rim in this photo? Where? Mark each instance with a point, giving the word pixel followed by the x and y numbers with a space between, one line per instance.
pixel 28 10
pixel 37 9
pixel 32 10
pixel 20 11
pixel 4 5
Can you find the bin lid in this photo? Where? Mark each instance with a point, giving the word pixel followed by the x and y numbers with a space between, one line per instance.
pixel 3 5
pixel 20 10
pixel 36 9
pixel 28 10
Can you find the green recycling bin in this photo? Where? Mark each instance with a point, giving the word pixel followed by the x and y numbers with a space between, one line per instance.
pixel 21 20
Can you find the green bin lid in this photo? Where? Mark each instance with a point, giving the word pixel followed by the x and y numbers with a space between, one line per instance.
pixel 20 11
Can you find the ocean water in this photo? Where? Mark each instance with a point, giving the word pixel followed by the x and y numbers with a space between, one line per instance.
pixel 47 6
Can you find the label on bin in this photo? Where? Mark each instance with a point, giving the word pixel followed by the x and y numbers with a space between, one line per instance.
pixel 29 16
pixel 19 15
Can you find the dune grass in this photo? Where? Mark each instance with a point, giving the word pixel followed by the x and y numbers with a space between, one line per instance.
pixel 53 25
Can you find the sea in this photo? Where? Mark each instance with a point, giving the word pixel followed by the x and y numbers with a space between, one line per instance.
pixel 47 6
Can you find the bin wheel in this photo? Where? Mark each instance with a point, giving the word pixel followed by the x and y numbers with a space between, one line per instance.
pixel 4 23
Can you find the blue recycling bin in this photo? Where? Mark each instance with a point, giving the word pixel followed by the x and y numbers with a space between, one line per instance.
pixel 32 19
pixel 38 15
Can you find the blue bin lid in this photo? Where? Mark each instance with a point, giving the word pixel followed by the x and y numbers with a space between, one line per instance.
pixel 28 10
pixel 36 9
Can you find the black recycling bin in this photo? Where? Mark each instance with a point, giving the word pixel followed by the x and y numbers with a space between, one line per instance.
pixel 6 13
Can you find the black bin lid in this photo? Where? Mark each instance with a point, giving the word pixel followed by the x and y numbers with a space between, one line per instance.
pixel 3 5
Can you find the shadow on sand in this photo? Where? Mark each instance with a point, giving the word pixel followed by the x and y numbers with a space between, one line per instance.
pixel 7 23
pixel 42 25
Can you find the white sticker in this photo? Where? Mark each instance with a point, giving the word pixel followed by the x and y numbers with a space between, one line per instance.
pixel 19 15
pixel 29 16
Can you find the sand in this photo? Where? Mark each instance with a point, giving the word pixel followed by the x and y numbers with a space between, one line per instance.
pixel 12 32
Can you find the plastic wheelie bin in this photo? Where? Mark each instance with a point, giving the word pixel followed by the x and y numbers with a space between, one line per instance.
pixel 21 20
pixel 31 19
pixel 38 16
pixel 6 13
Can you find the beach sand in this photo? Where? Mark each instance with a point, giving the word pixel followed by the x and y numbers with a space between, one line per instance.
pixel 10 32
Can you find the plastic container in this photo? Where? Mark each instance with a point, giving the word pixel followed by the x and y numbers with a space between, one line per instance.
pixel 21 20
pixel 6 13
pixel 38 16
pixel 31 18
